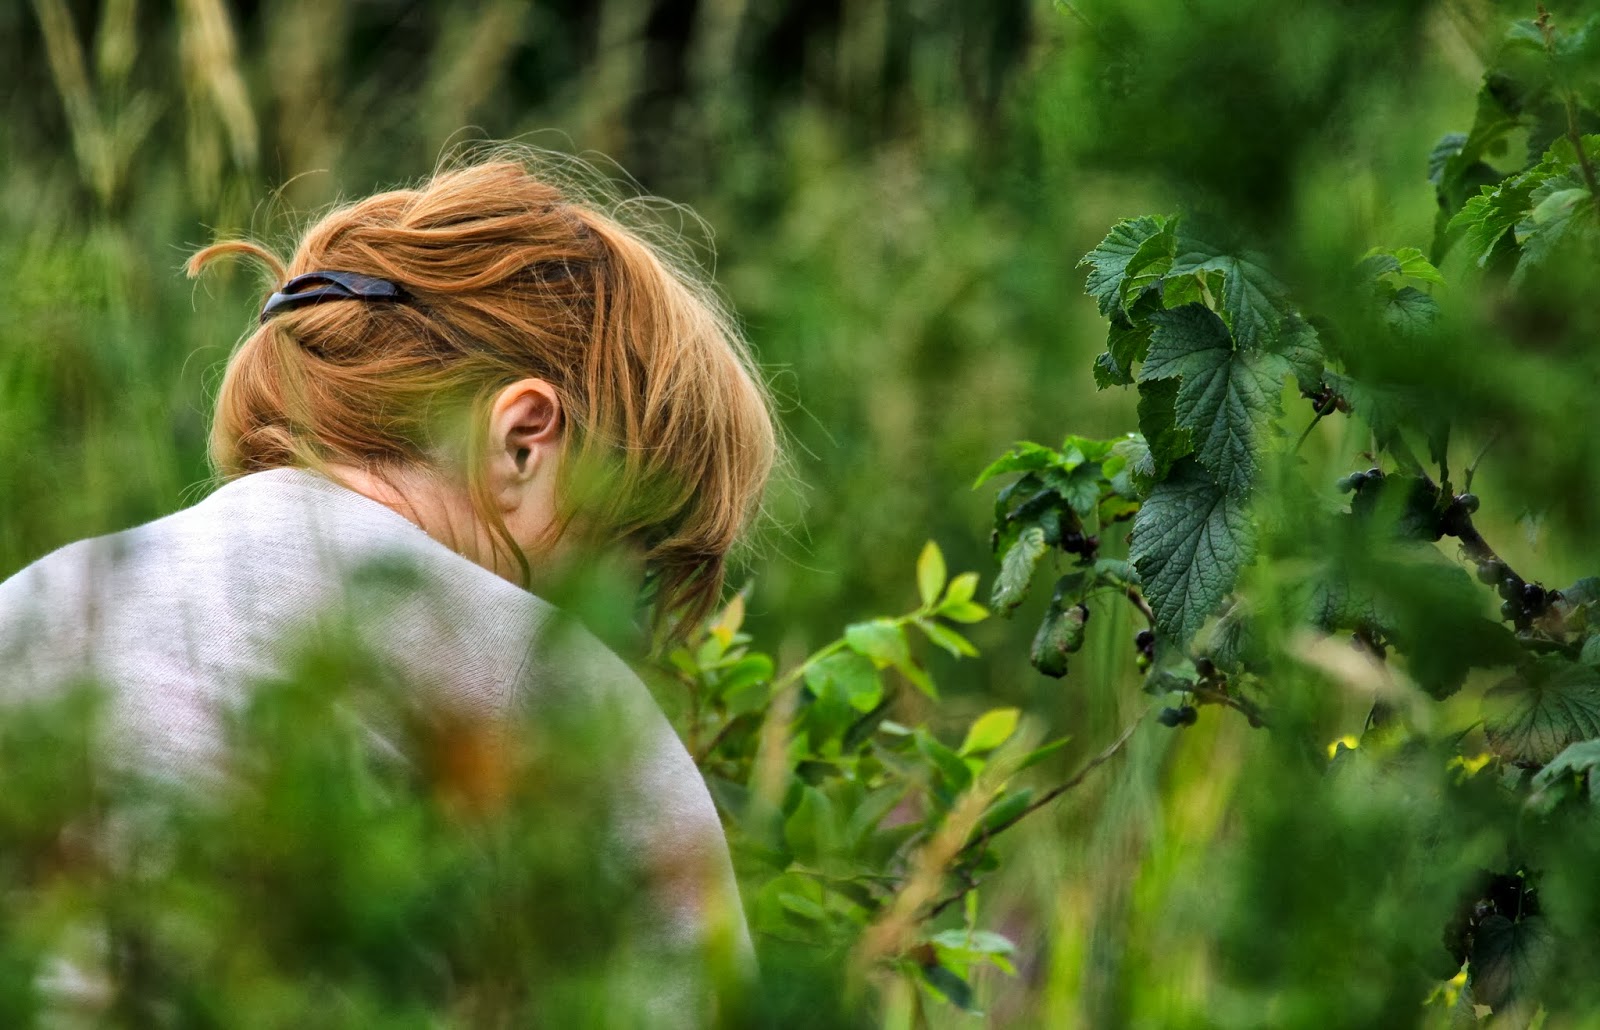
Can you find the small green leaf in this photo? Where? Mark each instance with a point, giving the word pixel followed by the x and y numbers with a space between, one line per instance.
pixel 990 730
pixel 1411 312
pixel 846 676
pixel 882 640
pixel 930 573
pixel 962 588
pixel 966 611
pixel 954 989
pixel 1531 717
pixel 1038 755
pixel 1022 457
pixel 952 769
pixel 1016 570
pixel 1108 262
pixel 1253 304
pixel 947 638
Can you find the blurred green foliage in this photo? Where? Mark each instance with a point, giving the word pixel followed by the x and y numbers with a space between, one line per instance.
pixel 901 192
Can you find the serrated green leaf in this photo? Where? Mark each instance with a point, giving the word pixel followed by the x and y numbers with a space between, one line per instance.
pixel 1016 570
pixel 1146 267
pixel 1301 346
pixel 1024 456
pixel 1108 262
pixel 1226 398
pixel 1484 219
pixel 1253 302
pixel 1126 342
pixel 1190 540
pixel 990 730
pixel 1533 716
pixel 1410 312
pixel 931 573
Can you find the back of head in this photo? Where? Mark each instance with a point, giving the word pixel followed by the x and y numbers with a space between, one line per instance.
pixel 668 440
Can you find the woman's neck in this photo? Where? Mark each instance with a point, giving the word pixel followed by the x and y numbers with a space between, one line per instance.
pixel 437 507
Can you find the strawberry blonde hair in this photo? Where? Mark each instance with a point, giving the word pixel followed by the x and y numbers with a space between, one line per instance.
pixel 668 438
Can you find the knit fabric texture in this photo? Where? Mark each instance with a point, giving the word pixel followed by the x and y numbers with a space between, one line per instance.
pixel 179 618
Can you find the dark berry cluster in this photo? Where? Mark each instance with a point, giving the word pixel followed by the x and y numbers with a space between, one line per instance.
pixel 1356 480
pixel 1183 715
pixel 1520 602
pixel 1144 642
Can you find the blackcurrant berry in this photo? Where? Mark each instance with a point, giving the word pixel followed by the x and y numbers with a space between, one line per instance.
pixel 1170 717
pixel 1533 598
pixel 1349 483
pixel 1141 661
pixel 1205 668
pixel 1492 571
pixel 1511 588
pixel 1374 473
pixel 1188 716
pixel 1468 502
pixel 1144 640
pixel 1510 610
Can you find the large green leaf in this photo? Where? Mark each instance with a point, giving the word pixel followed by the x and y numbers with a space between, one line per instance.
pixel 1507 958
pixel 1226 398
pixel 1532 716
pixel 1190 539
pixel 1253 301
pixel 1108 263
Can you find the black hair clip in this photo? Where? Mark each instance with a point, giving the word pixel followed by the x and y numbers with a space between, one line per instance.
pixel 330 286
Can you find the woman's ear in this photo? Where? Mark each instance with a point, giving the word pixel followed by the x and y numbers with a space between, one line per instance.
pixel 525 427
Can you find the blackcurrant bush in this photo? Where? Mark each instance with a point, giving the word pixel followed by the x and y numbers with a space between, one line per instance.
pixel 1492 571
pixel 1170 717
pixel 1468 502
pixel 1188 716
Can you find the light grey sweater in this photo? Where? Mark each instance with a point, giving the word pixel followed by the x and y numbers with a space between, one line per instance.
pixel 179 617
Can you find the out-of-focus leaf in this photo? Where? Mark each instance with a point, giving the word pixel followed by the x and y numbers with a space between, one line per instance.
pixel 931 573
pixel 1507 959
pixel 1531 717
pixel 990 730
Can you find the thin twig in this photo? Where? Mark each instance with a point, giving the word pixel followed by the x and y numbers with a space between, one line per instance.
pixel 1472 469
pixel 1138 601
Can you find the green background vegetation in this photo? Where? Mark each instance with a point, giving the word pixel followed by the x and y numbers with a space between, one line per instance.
pixel 900 192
